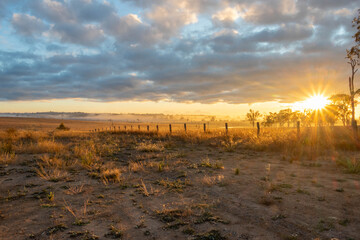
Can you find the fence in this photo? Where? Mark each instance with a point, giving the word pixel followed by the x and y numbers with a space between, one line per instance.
pixel 170 128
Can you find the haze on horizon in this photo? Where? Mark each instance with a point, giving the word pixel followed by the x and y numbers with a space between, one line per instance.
pixel 171 56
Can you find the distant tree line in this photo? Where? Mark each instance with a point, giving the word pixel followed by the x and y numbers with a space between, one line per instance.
pixel 338 110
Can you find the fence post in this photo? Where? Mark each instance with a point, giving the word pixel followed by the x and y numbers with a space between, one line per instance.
pixel 204 127
pixel 185 127
pixel 226 128
pixel 148 128
pixel 125 127
pixel 298 129
pixel 355 129
pixel 170 128
pixel 157 128
pixel 258 129
pixel 131 127
pixel 139 127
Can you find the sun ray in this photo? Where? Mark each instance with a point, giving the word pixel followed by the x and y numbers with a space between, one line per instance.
pixel 315 102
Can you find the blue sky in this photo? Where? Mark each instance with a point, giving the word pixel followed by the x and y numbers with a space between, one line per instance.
pixel 174 51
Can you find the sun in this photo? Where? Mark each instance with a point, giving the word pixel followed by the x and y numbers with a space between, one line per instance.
pixel 315 102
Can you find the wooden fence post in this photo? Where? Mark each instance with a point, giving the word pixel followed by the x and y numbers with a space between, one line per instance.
pixel 298 129
pixel 170 128
pixel 148 128
pixel 131 127
pixel 139 127
pixel 355 130
pixel 226 128
pixel 204 127
pixel 157 128
pixel 258 129
pixel 185 127
pixel 125 127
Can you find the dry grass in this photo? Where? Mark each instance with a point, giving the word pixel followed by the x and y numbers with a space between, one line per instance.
pixel 51 174
pixel 108 173
pixel 212 180
pixel 150 147
pixel 7 158
pixel 53 168
pixel 111 175
pixel 80 214
pixel 136 167
pixel 175 172
pixel 73 190
pixel 43 146
pixel 349 165
pixel 86 156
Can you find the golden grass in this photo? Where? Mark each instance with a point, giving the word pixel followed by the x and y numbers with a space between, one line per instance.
pixel 349 165
pixel 212 180
pixel 111 175
pixel 53 168
pixel 90 147
pixel 51 174
pixel 43 146
pixel 86 155
pixel 73 190
pixel 150 147
pixel 7 158
pixel 136 167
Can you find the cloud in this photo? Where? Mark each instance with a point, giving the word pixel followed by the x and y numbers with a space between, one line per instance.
pixel 169 19
pixel 201 50
pixel 91 11
pixel 129 29
pixel 87 35
pixel 51 10
pixel 226 17
pixel 27 25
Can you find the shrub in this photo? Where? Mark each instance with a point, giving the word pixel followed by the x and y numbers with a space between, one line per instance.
pixel 350 165
pixel 62 127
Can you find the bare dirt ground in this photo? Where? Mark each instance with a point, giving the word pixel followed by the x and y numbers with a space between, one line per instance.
pixel 162 187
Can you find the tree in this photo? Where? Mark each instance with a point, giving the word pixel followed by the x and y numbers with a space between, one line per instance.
pixel 285 116
pixel 330 114
pixel 306 117
pixel 342 105
pixel 269 119
pixel 253 116
pixel 295 116
pixel 353 56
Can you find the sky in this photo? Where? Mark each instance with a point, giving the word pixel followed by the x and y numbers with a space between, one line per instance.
pixel 171 56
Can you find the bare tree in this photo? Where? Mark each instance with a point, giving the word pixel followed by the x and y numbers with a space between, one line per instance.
pixel 353 56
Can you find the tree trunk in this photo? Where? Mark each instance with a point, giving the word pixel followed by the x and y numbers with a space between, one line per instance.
pixel 352 95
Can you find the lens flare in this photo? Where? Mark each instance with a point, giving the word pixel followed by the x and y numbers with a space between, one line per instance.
pixel 315 102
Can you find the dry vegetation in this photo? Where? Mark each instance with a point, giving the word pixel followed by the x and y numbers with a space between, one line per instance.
pixel 136 185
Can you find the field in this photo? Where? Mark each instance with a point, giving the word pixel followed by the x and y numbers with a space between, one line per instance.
pixel 127 184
